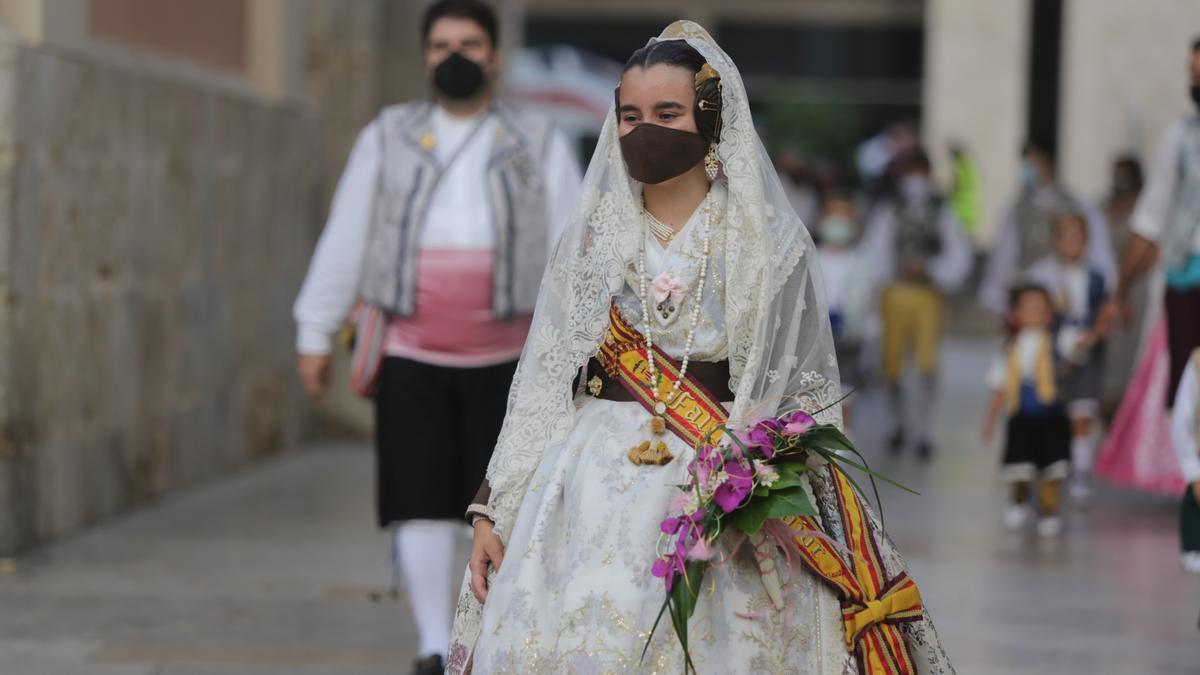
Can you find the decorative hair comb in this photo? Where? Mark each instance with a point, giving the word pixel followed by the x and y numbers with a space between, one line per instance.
pixel 705 74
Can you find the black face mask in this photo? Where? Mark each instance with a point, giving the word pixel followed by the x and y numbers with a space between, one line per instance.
pixel 1195 92
pixel 654 153
pixel 458 77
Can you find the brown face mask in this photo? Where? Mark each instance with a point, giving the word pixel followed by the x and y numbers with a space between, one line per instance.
pixel 654 153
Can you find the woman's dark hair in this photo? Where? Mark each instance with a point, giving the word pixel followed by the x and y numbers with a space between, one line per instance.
pixel 475 10
pixel 680 54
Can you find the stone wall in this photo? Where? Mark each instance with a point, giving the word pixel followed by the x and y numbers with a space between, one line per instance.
pixel 155 224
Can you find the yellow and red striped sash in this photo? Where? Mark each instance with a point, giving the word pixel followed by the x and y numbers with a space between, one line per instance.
pixel 693 415
pixel 871 605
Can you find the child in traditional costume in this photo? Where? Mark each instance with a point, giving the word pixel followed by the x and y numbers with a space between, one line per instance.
pixel 1026 382
pixel 1185 435
pixel 1079 291
pixel 683 298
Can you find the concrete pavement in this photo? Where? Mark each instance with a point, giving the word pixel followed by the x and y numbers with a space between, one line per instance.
pixel 271 572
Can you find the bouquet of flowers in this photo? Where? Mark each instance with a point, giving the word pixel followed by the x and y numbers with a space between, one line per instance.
pixel 743 484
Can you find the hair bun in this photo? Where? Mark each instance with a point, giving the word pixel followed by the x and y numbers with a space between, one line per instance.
pixel 708 103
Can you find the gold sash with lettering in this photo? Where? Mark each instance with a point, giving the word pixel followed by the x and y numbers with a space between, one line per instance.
pixel 872 604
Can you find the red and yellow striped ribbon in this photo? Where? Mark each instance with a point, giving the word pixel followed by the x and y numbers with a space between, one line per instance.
pixel 871 606
pixel 693 414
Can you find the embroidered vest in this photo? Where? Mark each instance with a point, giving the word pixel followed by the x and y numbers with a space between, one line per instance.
pixel 1035 222
pixel 918 237
pixel 513 187
pixel 1044 380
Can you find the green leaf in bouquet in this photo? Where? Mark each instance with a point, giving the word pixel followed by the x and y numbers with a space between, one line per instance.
pixel 658 619
pixel 842 459
pixel 750 517
pixel 792 501
pixel 828 437
pixel 684 594
pixel 789 475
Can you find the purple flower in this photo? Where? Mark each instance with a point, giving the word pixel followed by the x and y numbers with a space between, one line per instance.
pixel 667 567
pixel 733 490
pixel 707 462
pixel 761 437
pixel 798 422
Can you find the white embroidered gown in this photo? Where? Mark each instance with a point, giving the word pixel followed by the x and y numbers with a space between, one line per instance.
pixel 575 593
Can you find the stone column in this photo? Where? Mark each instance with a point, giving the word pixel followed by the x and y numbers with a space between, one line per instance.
pixel 975 89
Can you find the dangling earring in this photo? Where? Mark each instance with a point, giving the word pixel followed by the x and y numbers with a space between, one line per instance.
pixel 710 162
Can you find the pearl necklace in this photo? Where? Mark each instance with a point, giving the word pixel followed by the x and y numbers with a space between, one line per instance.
pixel 660 405
pixel 658 228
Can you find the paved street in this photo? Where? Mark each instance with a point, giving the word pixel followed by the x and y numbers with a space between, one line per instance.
pixel 271 572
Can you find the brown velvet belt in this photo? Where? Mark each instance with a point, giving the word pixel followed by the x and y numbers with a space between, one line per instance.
pixel 712 375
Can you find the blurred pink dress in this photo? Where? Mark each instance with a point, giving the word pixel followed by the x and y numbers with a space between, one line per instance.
pixel 1137 452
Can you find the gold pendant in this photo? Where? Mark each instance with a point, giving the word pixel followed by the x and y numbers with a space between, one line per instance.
pixel 658 426
pixel 655 453
pixel 428 141
pixel 595 385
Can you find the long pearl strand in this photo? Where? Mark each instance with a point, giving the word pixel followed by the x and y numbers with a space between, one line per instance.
pixel 660 405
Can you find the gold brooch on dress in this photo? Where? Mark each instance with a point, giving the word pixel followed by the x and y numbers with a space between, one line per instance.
pixel 650 453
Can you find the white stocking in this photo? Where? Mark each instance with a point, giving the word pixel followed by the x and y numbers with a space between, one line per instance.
pixel 424 552
pixel 1082 450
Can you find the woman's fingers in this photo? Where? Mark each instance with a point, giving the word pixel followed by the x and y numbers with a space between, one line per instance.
pixel 495 552
pixel 479 566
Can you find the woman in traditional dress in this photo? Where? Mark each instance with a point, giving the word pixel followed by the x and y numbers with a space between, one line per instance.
pixel 685 247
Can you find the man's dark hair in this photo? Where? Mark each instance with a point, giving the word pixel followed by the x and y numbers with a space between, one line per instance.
pixel 1133 165
pixel 475 10
pixel 1196 44
pixel 915 158
pixel 1044 146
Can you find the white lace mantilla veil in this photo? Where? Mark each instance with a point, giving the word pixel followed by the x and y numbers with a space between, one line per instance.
pixel 780 347
pixel 776 318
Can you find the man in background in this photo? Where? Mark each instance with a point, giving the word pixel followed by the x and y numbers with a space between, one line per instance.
pixel 440 227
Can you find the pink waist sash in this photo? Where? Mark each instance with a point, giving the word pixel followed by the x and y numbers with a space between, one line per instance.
pixel 453 323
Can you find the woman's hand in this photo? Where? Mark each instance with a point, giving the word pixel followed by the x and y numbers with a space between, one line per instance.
pixel 486 550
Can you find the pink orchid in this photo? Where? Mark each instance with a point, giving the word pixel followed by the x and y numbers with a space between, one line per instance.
pixel 738 482
pixel 798 422
pixel 668 285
